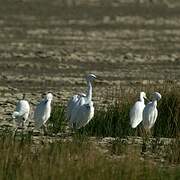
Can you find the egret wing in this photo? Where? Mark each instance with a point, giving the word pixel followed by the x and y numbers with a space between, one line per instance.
pixel 84 114
pixel 149 115
pixel 75 110
pixel 39 113
pixel 71 103
pixel 74 102
pixel 136 114
pixel 22 112
pixel 22 107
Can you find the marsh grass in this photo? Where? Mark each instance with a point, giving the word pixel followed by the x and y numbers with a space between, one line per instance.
pixel 57 120
pixel 168 123
pixel 173 151
pixel 113 119
pixel 76 159
pixel 24 158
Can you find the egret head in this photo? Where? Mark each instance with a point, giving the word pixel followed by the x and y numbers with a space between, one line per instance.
pixel 90 77
pixel 49 96
pixel 156 96
pixel 143 94
pixel 82 94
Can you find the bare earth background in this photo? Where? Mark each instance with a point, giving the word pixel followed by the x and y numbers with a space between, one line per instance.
pixel 51 45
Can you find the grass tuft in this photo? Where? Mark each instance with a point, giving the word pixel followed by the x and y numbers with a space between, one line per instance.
pixel 57 120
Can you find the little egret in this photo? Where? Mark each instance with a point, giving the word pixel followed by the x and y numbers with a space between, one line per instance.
pixel 80 109
pixel 21 113
pixel 150 112
pixel 136 112
pixel 43 111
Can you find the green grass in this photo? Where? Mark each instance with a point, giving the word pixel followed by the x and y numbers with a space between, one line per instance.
pixel 113 120
pixel 57 120
pixel 168 122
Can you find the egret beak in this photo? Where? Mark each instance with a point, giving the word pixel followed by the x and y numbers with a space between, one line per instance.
pixel 99 78
pixel 94 76
pixel 45 102
pixel 147 99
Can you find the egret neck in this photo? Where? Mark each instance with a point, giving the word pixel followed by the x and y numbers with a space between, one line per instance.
pixel 154 102
pixel 48 102
pixel 141 98
pixel 89 90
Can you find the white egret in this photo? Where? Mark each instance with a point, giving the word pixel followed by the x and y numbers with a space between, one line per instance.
pixel 150 112
pixel 136 112
pixel 43 111
pixel 80 109
pixel 21 113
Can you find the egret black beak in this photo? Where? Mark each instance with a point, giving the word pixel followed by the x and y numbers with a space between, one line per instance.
pixel 45 102
pixel 99 78
pixel 147 99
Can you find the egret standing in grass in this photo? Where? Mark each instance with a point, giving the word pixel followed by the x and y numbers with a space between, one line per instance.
pixel 150 112
pixel 80 109
pixel 21 113
pixel 43 111
pixel 136 112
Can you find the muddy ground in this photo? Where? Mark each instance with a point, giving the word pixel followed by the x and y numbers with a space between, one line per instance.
pixel 51 45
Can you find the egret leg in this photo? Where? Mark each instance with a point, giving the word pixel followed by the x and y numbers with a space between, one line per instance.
pixel 136 132
pixel 23 127
pixel 141 132
pixel 146 136
pixel 14 133
pixel 44 129
pixel 75 130
pixel 25 124
pixel 74 126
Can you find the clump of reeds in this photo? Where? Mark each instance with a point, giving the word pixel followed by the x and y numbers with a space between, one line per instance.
pixel 57 120
pixel 114 120
pixel 168 122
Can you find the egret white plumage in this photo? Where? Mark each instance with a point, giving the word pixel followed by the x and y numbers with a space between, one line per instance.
pixel 150 112
pixel 21 113
pixel 43 111
pixel 136 112
pixel 80 109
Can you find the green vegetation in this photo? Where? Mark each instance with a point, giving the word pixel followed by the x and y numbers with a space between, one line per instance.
pixel 57 120
pixel 113 120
